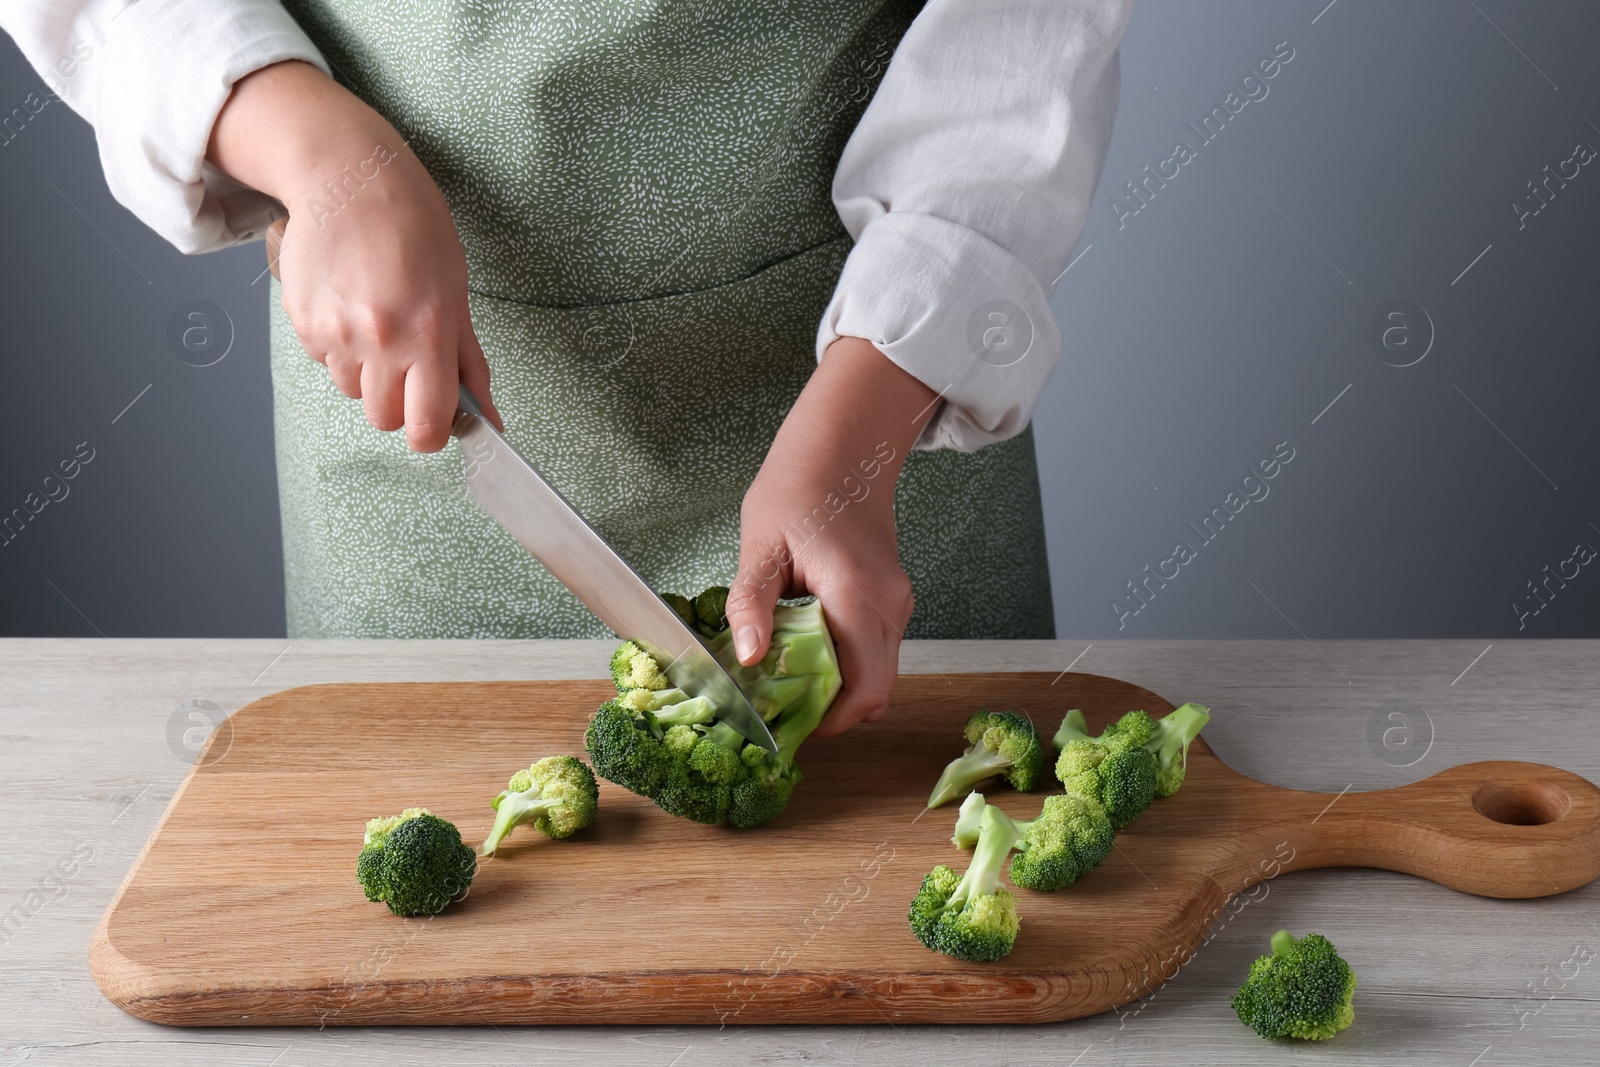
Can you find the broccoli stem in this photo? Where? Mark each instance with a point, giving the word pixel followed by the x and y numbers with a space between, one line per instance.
pixel 1073 728
pixel 1175 731
pixel 997 836
pixel 686 712
pixel 726 736
pixel 968 820
pixel 960 775
pixel 1282 943
pixel 514 810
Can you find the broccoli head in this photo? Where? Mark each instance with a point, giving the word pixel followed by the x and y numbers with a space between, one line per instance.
pixel 1114 770
pixel 999 743
pixel 1304 989
pixel 668 745
pixel 557 794
pixel 414 862
pixel 971 916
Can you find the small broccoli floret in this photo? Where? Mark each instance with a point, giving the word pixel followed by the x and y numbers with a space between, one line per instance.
pixel 634 668
pixel 711 610
pixel 1304 989
pixel 1068 839
pixel 1115 769
pixel 669 745
pixel 971 916
pixel 1170 744
pixel 414 862
pixel 557 794
pixel 683 606
pixel 1000 743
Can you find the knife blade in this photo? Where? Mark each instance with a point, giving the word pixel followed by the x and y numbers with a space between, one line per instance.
pixel 517 496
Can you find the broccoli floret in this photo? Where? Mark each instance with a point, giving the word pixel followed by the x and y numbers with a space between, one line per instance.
pixel 557 794
pixel 1304 989
pixel 1114 770
pixel 414 862
pixel 1000 743
pixel 1170 744
pixel 971 916
pixel 634 668
pixel 1067 840
pixel 668 745
pixel 711 610
pixel 1134 761
pixel 683 606
pixel 624 750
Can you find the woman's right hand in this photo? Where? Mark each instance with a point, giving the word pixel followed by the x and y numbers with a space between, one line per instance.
pixel 374 277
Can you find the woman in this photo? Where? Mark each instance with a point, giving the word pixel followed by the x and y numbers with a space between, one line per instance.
pixel 623 211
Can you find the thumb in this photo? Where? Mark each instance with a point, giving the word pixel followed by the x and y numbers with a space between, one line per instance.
pixel 763 572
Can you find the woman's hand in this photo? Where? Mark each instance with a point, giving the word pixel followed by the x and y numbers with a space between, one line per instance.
pixel 374 278
pixel 819 519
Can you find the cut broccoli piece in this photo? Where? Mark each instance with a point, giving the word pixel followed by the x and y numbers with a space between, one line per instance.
pixel 669 746
pixel 1114 770
pixel 711 610
pixel 1070 837
pixel 557 794
pixel 1000 743
pixel 1170 744
pixel 971 916
pixel 414 862
pixel 1304 989
pixel 634 668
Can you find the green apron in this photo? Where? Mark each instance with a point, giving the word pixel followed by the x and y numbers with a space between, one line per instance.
pixel 642 189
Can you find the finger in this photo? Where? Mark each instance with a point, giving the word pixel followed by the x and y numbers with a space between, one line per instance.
pixel 475 372
pixel 345 372
pixel 431 395
pixel 383 394
pixel 763 572
pixel 863 641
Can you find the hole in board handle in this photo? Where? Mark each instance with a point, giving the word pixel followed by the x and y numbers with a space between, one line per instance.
pixel 1521 803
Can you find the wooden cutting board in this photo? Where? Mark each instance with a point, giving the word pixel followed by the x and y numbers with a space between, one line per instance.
pixel 243 907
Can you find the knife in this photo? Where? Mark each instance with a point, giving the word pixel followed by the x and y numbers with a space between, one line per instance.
pixel 517 497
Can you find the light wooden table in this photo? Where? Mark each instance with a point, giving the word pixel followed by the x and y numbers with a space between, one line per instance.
pixel 93 750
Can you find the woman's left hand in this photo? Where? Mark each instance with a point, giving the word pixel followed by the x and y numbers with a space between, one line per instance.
pixel 819 519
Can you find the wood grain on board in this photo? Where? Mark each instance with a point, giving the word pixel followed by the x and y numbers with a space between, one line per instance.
pixel 244 907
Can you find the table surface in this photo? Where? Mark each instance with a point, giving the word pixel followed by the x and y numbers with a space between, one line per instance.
pixel 94 748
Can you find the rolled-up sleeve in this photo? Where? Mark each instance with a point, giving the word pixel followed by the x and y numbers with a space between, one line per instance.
pixel 151 76
pixel 966 185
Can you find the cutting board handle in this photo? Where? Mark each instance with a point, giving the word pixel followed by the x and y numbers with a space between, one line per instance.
pixel 1495 829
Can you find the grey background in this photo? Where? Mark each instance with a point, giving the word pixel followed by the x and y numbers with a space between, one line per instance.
pixel 1220 320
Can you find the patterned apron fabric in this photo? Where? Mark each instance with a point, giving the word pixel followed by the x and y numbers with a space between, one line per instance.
pixel 642 190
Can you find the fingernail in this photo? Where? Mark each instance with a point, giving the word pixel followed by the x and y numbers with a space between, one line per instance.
pixel 744 642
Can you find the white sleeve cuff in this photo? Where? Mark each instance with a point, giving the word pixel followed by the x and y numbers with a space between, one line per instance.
pixel 966 184
pixel 956 311
pixel 164 72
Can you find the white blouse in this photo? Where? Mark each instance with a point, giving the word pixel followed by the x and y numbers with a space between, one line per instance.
pixel 965 185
